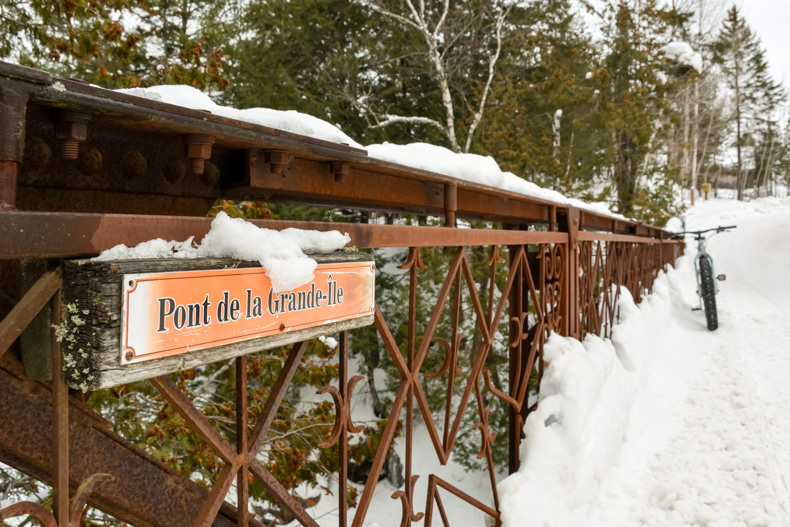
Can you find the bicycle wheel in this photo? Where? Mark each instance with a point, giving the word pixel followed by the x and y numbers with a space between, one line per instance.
pixel 708 292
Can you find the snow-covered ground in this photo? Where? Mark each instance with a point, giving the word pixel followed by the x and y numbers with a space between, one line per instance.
pixel 670 424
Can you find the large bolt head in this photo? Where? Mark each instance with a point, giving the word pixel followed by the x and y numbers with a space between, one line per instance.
pixel 200 151
pixel 69 130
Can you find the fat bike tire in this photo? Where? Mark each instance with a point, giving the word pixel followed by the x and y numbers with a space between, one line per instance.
pixel 708 292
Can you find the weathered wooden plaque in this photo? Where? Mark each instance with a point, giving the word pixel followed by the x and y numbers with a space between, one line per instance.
pixel 129 320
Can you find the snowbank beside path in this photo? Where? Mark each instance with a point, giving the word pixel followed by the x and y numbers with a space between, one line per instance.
pixel 670 424
pixel 592 401
pixel 281 253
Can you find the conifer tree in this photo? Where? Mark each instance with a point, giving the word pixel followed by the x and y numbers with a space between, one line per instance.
pixel 120 43
pixel 635 96
pixel 755 95
pixel 313 56
pixel 542 124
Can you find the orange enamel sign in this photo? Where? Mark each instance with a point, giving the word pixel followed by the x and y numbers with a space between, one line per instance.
pixel 168 314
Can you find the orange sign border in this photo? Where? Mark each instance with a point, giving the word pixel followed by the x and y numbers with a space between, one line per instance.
pixel 136 278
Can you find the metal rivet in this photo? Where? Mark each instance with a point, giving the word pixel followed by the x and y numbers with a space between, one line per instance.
pixel 134 165
pixel 211 174
pixel 91 161
pixel 174 171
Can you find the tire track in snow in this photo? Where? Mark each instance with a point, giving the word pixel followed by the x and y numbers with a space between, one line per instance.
pixel 759 312
pixel 729 462
pixel 716 470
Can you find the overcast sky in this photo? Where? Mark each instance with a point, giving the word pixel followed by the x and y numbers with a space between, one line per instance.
pixel 770 19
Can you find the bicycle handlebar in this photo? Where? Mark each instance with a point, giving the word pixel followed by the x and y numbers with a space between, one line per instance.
pixel 700 233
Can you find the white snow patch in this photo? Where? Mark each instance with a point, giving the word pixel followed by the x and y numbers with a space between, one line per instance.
pixel 683 53
pixel 329 341
pixel 474 168
pixel 281 253
pixel 573 436
pixel 288 120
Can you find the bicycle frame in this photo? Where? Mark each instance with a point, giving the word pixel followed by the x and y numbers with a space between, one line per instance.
pixel 702 240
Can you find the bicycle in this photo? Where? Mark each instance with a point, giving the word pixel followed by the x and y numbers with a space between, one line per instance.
pixel 707 288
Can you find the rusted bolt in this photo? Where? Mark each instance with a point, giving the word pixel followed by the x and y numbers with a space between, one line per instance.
pixel 340 170
pixel 198 150
pixel 71 129
pixel 282 327
pixel 38 154
pixel 278 160
pixel 129 355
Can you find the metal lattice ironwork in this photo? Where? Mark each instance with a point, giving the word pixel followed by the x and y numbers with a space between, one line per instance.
pixel 503 289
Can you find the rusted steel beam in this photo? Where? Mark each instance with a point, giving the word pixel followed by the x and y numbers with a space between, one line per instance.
pixel 276 395
pixel 26 309
pixel 282 495
pixel 216 497
pixel 71 234
pixel 435 482
pixel 608 237
pixel 450 204
pixel 147 492
pixel 310 174
pixel 381 186
pixel 169 118
pixel 242 479
pixel 14 95
pixel 8 180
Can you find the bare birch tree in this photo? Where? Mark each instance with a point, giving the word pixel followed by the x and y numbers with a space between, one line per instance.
pixel 440 31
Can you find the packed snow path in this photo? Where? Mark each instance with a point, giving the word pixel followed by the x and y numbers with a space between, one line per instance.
pixel 727 460
pixel 671 424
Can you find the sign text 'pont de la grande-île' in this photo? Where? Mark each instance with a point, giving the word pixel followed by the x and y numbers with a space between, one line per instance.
pixel 166 314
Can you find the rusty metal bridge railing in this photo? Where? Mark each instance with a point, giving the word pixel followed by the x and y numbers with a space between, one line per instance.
pixel 83 169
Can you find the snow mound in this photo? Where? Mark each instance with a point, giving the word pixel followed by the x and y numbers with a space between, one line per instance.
pixel 573 437
pixel 287 120
pixel 281 253
pixel 474 168
pixel 592 402
pixel 682 53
